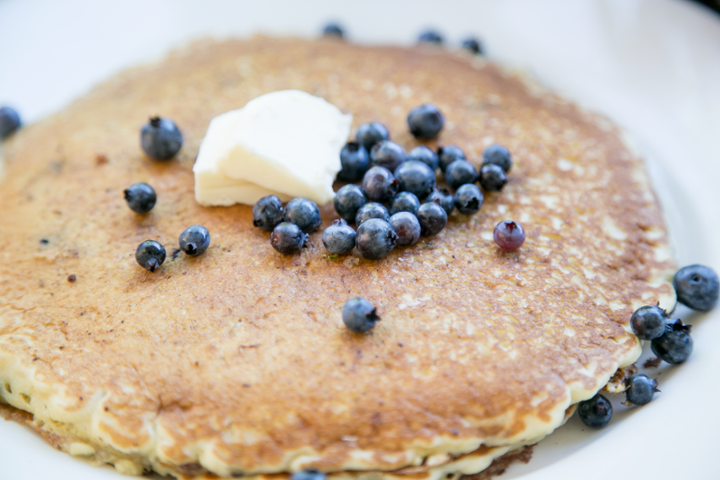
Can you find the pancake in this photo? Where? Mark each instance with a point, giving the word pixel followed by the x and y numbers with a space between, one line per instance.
pixel 236 363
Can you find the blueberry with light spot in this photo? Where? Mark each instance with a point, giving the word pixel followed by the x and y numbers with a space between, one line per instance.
pixel 425 121
pixel 268 212
pixel 150 254
pixel 194 240
pixel 448 154
pixel 498 155
pixel 304 213
pixel 387 154
pixel 354 160
pixel 339 238
pixel 473 44
pixel 421 153
pixel 370 133
pixel 308 474
pixel 468 199
pixel 675 345
pixel 140 197
pixel 596 412
pixel 416 177
pixel 359 316
pixel 509 235
pixel 375 239
pixel 406 226
pixel 431 37
pixel 348 201
pixel 287 238
pixel 9 121
pixel 432 218
pixel 160 138
pixel 640 389
pixel 492 177
pixel 459 173
pixel 333 30
pixel 444 198
pixel 404 202
pixel 371 210
pixel 379 184
pixel 648 322
pixel 697 287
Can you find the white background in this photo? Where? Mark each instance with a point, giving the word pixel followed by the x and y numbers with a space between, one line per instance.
pixel 653 66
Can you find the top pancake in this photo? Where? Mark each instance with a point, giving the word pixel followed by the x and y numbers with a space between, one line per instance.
pixel 237 361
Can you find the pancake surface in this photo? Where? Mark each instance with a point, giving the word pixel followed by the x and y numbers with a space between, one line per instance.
pixel 236 362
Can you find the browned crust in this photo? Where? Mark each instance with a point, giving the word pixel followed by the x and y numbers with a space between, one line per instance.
pixel 474 345
pixel 498 466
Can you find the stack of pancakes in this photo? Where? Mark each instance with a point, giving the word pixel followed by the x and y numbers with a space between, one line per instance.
pixel 236 363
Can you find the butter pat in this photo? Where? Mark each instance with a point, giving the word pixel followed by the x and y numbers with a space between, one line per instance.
pixel 284 143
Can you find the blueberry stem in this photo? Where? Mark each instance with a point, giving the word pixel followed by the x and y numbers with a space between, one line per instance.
pixel 155 121
pixel 151 264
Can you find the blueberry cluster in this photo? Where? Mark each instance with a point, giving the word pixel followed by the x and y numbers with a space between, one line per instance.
pixel 289 225
pixel 397 199
pixel 194 240
pixel 697 287
pixel 433 37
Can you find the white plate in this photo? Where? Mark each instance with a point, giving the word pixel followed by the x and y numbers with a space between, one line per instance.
pixel 651 65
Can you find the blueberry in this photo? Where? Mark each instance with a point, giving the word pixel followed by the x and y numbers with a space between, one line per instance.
pixel 404 202
pixel 509 235
pixel 339 238
pixel 370 133
pixel 359 316
pixel 387 154
pixel 498 155
pixel 355 161
pixel 371 210
pixel 473 44
pixel 448 154
pixel 444 198
pixel 459 173
pixel 648 322
pixel 596 412
pixel 421 153
pixel 416 177
pixel 150 255
pixel 375 239
pixel 348 201
pixel 308 474
pixel 195 240
pixel 379 184
pixel 268 212
pixel 425 121
pixel 675 345
pixel 432 218
pixel 492 177
pixel 140 197
pixel 407 227
pixel 160 138
pixel 304 213
pixel 9 121
pixel 640 389
pixel 430 36
pixel 697 287
pixel 468 199
pixel 333 30
pixel 287 238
